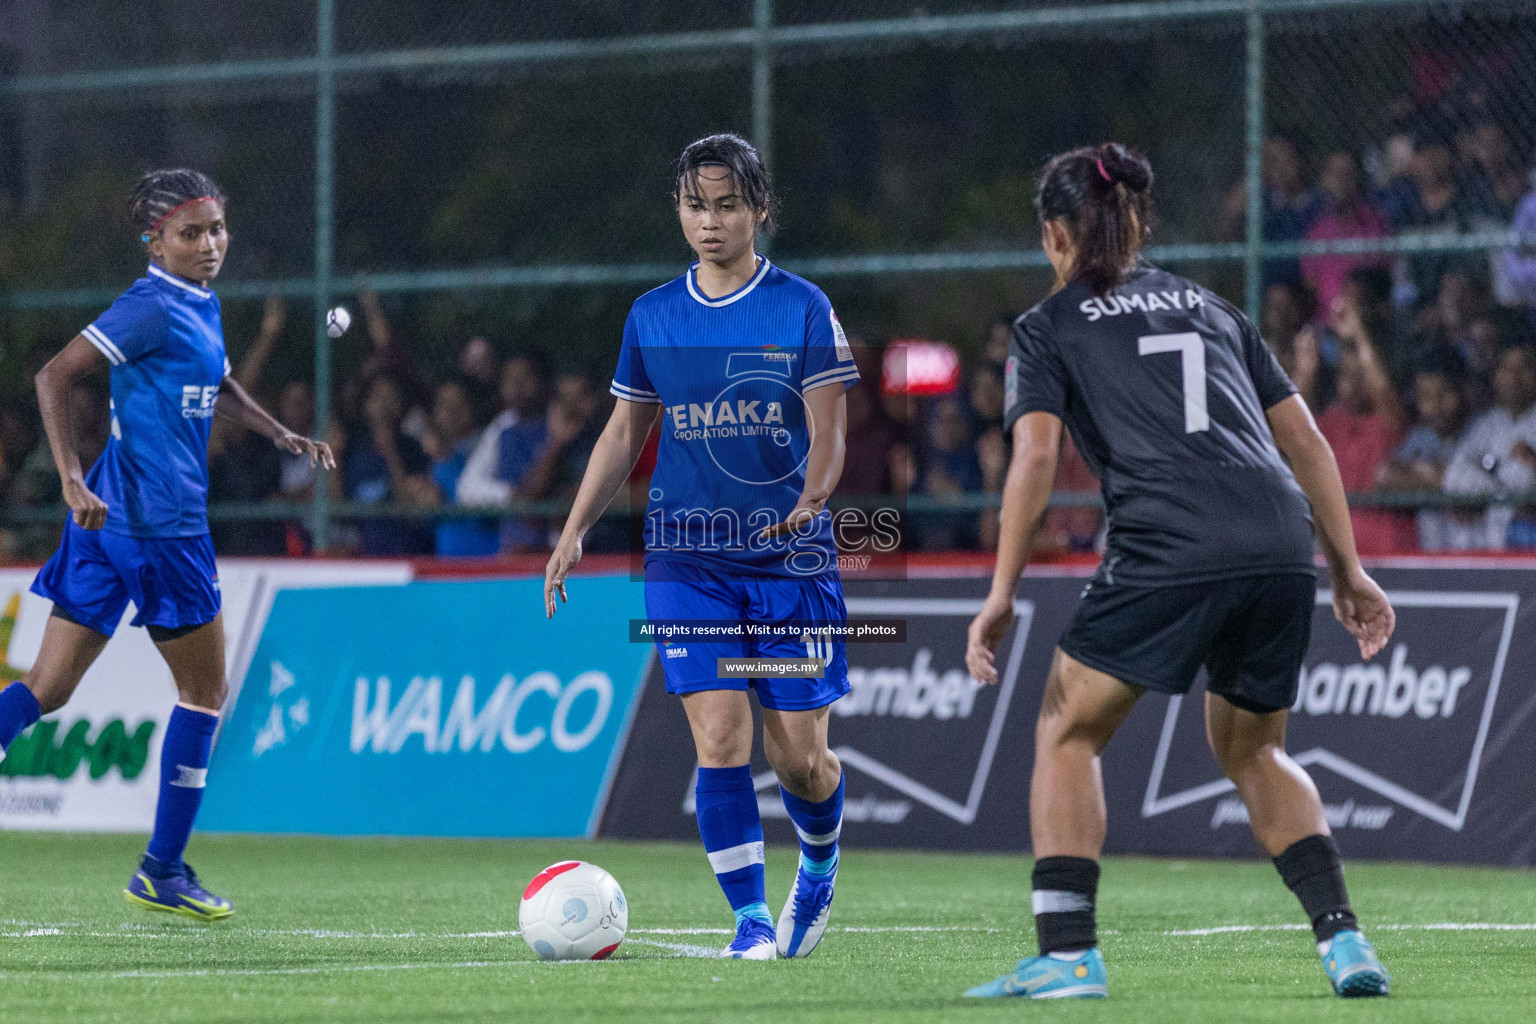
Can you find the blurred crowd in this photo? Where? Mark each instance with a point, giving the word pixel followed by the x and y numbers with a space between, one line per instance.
pixel 1421 370
pixel 443 457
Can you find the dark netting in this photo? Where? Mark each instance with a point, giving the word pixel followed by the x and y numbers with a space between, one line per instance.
pixel 71 170
pixel 106 35
pixel 572 170
pixel 1433 73
pixel 517 188
pixel 1424 117
pixel 806 12
pixel 940 148
pixel 368 25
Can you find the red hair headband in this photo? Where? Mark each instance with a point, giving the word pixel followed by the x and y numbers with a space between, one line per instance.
pixel 1100 161
pixel 174 210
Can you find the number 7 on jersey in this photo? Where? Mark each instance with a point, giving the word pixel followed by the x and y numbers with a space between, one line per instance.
pixel 1191 349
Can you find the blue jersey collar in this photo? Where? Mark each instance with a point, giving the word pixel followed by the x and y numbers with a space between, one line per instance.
pixel 726 300
pixel 185 285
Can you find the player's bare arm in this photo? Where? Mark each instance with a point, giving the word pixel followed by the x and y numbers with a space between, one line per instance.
pixel 53 381
pixel 1358 602
pixel 613 459
pixel 827 412
pixel 235 403
pixel 1026 493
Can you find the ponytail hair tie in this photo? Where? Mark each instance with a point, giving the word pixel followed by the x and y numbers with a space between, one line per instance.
pixel 1102 172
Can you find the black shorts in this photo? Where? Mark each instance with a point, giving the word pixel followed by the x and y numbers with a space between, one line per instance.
pixel 1250 633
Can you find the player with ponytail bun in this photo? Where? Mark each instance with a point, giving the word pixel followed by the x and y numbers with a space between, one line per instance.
pixel 1215 482
pixel 1101 198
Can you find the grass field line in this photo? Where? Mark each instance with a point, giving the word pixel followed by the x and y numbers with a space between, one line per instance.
pixel 77 929
pixel 1447 926
pixel 684 949
pixel 256 972
pixel 20 929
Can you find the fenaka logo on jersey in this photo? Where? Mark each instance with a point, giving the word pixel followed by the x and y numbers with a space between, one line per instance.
pixel 198 401
pixel 725 418
pixel 1400 735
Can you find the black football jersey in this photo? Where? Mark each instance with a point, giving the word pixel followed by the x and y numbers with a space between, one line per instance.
pixel 1164 386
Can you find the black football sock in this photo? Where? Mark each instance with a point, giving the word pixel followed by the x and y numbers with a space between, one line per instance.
pixel 1065 889
pixel 1312 870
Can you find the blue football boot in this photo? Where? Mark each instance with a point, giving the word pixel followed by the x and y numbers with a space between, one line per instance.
pixel 1353 968
pixel 754 941
pixel 1045 977
pixel 180 893
pixel 804 917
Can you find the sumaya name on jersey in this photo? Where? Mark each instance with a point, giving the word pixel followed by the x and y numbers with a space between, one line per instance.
pixel 1151 302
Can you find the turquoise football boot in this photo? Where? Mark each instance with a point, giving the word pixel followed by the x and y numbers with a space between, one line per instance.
pixel 1353 968
pixel 1044 977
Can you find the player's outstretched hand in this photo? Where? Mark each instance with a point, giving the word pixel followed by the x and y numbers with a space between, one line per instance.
pixel 806 510
pixel 561 562
pixel 1363 609
pixel 90 511
pixel 982 638
pixel 318 451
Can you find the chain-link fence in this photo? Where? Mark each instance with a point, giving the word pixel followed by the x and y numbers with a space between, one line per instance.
pixel 503 169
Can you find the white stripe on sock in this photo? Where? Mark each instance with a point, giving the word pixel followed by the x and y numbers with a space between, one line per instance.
pixel 825 839
pixel 1059 901
pixel 734 858
pixel 190 778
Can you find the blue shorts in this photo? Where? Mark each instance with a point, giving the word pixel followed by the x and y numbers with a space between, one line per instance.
pixel 172 581
pixel 675 590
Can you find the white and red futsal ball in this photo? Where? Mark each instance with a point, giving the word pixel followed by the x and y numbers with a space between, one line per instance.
pixel 573 911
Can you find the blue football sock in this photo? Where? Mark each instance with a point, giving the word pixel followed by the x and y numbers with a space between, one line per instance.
pixel 183 774
pixel 733 837
pixel 18 711
pixel 818 824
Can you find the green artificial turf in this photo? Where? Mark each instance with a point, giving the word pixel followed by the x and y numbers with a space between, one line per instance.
pixel 373 930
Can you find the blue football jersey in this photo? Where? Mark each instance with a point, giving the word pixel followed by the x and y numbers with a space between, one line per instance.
pixel 165 341
pixel 729 374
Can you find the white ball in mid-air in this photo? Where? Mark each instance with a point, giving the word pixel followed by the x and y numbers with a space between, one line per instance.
pixel 573 911
pixel 337 321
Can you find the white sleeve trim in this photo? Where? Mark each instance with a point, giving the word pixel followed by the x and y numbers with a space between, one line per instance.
pixel 822 380
pixel 229 371
pixel 836 371
pixel 104 345
pixel 633 394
